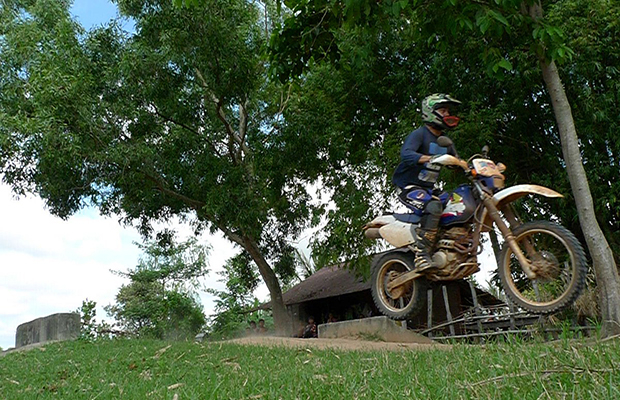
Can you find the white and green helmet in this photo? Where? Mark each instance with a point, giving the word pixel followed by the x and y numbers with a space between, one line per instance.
pixel 431 103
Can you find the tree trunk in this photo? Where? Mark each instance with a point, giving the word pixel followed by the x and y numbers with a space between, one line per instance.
pixel 281 318
pixel 495 245
pixel 607 278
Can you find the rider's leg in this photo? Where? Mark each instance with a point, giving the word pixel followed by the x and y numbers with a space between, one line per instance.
pixel 426 234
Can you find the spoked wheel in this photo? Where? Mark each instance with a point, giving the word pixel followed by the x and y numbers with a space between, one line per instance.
pixel 404 301
pixel 558 260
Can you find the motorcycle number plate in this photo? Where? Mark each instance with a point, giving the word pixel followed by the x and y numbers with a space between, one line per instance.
pixel 485 167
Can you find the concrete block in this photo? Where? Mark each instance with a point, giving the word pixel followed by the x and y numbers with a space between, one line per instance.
pixel 375 328
pixel 62 326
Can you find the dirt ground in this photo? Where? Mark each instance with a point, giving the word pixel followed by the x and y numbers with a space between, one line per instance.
pixel 340 344
pixel 322 344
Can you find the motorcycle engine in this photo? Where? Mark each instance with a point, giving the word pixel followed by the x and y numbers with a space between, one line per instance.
pixel 454 256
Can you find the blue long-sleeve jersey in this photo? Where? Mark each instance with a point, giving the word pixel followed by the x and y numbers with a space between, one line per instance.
pixel 419 142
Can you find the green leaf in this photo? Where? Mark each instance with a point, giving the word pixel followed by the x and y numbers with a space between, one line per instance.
pixel 484 24
pixel 505 64
pixel 396 7
pixel 499 17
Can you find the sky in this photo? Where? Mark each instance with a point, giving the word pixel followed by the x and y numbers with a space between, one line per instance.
pixel 48 265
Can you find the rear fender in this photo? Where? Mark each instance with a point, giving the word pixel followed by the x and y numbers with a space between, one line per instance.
pixel 371 229
pixel 510 194
pixel 395 232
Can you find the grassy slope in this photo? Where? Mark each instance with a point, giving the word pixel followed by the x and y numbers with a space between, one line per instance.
pixel 143 370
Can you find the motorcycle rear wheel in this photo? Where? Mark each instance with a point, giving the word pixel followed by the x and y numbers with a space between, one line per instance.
pixel 404 301
pixel 557 258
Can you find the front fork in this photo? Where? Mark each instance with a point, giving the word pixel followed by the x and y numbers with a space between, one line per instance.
pixel 507 233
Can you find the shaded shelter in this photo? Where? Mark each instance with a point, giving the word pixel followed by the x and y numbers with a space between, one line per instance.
pixel 338 291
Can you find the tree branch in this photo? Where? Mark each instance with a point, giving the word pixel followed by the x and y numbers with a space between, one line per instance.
pixel 221 116
pixel 197 205
pixel 283 104
pixel 243 120
pixel 163 187
pixel 234 137
pixel 187 128
pixel 243 127
pixel 231 235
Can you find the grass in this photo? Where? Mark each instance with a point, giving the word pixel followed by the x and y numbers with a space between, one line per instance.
pixel 139 369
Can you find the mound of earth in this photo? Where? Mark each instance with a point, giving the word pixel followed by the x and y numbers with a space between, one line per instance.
pixel 339 344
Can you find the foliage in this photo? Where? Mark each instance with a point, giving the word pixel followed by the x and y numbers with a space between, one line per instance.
pixel 310 32
pixel 183 119
pixel 160 300
pixel 177 120
pixel 592 81
pixel 90 329
pixel 232 321
pixel 365 108
pixel 384 57
pixel 173 264
pixel 236 305
pixel 144 368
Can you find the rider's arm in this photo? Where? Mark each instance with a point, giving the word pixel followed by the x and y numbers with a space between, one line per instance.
pixel 409 153
pixel 424 159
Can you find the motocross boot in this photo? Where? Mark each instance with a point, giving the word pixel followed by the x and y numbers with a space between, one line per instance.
pixel 426 234
pixel 424 241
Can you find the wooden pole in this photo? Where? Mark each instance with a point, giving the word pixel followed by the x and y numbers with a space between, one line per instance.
pixel 429 310
pixel 448 313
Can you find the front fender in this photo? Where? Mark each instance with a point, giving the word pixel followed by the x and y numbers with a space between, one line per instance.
pixel 510 194
pixel 513 193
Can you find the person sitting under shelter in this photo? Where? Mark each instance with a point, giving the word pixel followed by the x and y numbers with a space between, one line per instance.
pixel 310 330
pixel 261 330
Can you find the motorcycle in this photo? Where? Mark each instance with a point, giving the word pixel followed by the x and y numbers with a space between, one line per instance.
pixel 542 266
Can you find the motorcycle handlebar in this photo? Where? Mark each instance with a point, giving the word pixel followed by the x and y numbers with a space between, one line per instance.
pixel 447 159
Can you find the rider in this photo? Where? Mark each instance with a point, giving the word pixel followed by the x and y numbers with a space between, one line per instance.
pixel 415 176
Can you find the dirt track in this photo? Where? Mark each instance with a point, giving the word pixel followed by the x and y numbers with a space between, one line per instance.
pixel 340 344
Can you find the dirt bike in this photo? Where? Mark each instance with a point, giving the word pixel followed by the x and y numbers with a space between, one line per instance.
pixel 542 267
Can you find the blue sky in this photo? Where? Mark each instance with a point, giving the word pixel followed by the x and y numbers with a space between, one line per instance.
pixel 48 265
pixel 93 12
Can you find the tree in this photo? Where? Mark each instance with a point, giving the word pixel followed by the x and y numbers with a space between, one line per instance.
pixel 312 31
pixel 232 304
pixel 160 299
pixel 179 119
pixel 90 329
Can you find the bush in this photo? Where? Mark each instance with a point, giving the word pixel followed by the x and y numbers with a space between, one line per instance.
pixel 160 300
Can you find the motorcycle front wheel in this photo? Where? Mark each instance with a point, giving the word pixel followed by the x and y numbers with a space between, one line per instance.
pixel 557 258
pixel 404 301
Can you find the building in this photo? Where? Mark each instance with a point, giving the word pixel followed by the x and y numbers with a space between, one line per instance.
pixel 338 291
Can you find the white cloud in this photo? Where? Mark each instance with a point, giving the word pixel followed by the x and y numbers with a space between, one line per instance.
pixel 48 265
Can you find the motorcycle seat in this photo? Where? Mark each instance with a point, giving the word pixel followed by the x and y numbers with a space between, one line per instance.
pixel 409 218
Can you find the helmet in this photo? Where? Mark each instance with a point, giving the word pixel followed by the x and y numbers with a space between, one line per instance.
pixel 431 103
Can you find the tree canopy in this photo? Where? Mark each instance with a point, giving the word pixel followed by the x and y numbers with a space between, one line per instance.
pixel 178 119
pixel 500 57
pixel 160 300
